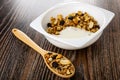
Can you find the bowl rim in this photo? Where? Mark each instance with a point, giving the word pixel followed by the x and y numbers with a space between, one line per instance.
pixel 42 31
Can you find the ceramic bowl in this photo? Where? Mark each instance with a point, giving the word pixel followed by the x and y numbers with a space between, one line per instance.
pixel 101 15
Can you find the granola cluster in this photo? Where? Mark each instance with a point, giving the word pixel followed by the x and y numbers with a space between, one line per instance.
pixel 78 20
pixel 59 63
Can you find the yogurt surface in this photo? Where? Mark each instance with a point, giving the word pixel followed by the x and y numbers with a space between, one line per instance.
pixel 72 33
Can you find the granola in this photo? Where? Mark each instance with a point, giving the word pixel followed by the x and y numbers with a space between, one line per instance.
pixel 79 20
pixel 59 63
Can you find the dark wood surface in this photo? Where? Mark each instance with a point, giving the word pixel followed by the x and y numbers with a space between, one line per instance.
pixel 100 61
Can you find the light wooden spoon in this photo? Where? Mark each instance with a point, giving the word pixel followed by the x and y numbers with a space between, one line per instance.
pixel 24 38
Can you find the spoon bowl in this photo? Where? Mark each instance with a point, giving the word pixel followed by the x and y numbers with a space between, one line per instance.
pixel 55 62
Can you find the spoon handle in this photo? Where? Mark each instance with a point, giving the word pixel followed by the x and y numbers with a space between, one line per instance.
pixel 24 38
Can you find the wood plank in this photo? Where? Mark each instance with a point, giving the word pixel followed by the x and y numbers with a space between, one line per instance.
pixel 100 61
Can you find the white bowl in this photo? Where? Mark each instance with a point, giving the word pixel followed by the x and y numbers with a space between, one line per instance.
pixel 101 15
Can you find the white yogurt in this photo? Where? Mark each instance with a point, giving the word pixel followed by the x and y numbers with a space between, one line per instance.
pixel 72 32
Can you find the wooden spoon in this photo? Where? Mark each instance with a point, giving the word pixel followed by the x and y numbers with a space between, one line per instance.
pixel 65 74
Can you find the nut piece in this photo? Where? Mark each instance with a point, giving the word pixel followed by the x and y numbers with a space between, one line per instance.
pixel 50 59
pixel 68 72
pixel 91 25
pixel 57 33
pixel 59 28
pixel 64 62
pixel 75 21
pixel 59 56
pixel 59 17
pixel 79 13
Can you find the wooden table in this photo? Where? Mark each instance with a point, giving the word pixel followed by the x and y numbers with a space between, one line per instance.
pixel 100 61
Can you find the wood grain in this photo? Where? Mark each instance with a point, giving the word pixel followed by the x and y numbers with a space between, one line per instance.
pixel 100 61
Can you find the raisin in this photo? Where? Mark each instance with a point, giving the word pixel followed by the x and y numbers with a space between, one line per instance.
pixel 54 56
pixel 49 53
pixel 76 14
pixel 49 25
pixel 97 26
pixel 70 17
pixel 82 14
pixel 62 22
pixel 55 64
